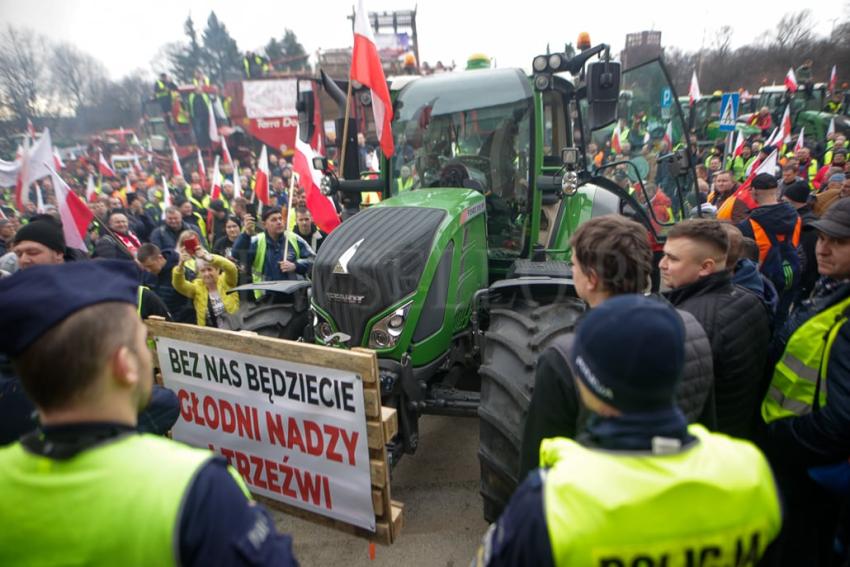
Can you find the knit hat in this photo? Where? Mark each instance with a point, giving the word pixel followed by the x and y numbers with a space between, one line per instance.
pixel 629 352
pixel 764 181
pixel 798 192
pixel 44 230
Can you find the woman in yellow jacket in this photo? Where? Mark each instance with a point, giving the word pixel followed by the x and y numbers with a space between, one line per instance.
pixel 216 276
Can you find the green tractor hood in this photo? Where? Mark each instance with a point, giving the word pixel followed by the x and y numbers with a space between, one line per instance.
pixel 398 276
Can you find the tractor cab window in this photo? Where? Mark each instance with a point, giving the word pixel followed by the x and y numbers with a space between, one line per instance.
pixel 637 148
pixel 477 137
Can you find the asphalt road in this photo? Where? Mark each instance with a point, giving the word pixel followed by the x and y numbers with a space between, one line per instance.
pixel 443 521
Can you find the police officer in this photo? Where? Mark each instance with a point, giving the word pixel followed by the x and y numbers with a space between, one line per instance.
pixel 640 487
pixel 805 410
pixel 87 489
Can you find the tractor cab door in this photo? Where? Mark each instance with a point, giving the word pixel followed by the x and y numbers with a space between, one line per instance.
pixel 647 154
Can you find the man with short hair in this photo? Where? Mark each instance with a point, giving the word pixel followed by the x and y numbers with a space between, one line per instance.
pixel 121 243
pixel 611 256
pixel 7 232
pixel 264 252
pixel 805 411
pixel 724 187
pixel 735 321
pixel 165 237
pixel 789 176
pixel 639 483
pixel 306 229
pixel 87 459
pixel 158 265
pixel 808 166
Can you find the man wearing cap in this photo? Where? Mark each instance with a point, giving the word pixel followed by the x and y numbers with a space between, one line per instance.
pixel 264 252
pixel 776 228
pixel 611 256
pixel 831 193
pixel 805 413
pixel 639 486
pixel 735 320
pixel 87 466
pixel 800 198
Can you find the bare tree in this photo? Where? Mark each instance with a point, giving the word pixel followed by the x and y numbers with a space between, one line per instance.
pixel 794 31
pixel 76 75
pixel 23 76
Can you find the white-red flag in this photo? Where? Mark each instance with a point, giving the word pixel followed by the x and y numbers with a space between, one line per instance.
pixel 74 213
pixel 668 136
pixel 791 80
pixel 785 126
pixel 166 193
pixel 833 80
pixel 57 160
pixel 801 140
pixel 693 91
pixel 214 137
pixel 215 193
pixel 261 183
pixel 366 69
pixel 39 199
pixel 31 130
pixel 225 153
pixel 616 146
pixel 103 166
pixel 176 168
pixel 739 144
pixel 769 165
pixel 773 138
pixel 831 129
pixel 237 183
pixel 202 169
pixel 32 168
pixel 91 189
pixel 320 206
pixel 128 188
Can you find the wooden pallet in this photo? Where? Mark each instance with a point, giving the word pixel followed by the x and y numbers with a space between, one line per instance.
pixel 381 422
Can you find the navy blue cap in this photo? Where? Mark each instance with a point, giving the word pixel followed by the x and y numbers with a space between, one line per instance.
pixel 630 351
pixel 36 299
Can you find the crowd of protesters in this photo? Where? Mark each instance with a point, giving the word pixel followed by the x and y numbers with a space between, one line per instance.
pixel 745 341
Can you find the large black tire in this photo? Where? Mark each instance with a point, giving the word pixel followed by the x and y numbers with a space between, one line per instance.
pixel 280 321
pixel 516 337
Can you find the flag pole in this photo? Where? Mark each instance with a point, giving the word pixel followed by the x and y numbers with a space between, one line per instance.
pixel 288 212
pixel 345 130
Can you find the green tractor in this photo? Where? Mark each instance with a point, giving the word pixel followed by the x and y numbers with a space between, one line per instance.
pixel 703 118
pixel 460 279
pixel 807 109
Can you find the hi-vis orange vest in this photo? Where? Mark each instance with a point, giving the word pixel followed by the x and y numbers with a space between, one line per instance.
pixel 763 241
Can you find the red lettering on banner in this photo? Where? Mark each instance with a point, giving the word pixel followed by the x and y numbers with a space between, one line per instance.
pixel 350 444
pixel 243 421
pixel 228 417
pixel 198 419
pixel 334 433
pixel 282 478
pixel 274 427
pixel 294 435
pixel 211 412
pixel 185 407
pixel 313 433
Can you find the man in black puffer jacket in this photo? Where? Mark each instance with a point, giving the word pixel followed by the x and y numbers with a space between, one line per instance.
pixel 611 256
pixel 735 320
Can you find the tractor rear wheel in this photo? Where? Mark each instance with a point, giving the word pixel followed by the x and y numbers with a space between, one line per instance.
pixel 517 335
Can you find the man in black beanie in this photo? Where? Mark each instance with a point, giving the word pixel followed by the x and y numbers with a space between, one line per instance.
pixel 775 226
pixel 639 486
pixel 40 242
pixel 799 196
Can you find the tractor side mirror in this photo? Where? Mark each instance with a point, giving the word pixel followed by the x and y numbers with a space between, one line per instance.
pixel 305 105
pixel 321 164
pixel 603 92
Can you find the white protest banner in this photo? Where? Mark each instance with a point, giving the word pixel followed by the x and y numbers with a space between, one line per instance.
pixel 296 433
pixel 270 99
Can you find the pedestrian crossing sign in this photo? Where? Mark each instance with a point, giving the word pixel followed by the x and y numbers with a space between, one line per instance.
pixel 728 111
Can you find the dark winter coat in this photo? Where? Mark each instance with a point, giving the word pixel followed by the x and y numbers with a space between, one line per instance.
pixel 738 327
pixel 556 411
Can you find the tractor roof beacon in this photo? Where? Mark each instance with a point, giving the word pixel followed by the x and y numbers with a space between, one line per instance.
pixel 459 277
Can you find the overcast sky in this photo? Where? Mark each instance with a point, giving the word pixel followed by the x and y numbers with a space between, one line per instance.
pixel 127 34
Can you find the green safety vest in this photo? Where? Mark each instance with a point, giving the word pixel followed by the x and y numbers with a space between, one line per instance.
pixel 192 101
pixel 830 146
pixel 714 498
pixel 405 184
pixel 260 257
pixel 812 172
pixel 108 505
pixel 800 375
pixel 161 90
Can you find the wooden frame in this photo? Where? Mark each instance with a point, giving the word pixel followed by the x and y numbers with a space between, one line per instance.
pixel 381 422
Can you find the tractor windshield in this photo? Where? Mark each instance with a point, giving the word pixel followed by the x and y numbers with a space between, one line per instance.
pixel 635 152
pixel 468 129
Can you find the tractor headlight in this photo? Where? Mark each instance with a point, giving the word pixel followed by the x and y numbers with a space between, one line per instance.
pixel 321 327
pixel 554 62
pixel 385 333
pixel 539 63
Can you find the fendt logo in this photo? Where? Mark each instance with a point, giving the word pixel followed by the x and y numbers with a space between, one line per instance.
pixel 342 264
